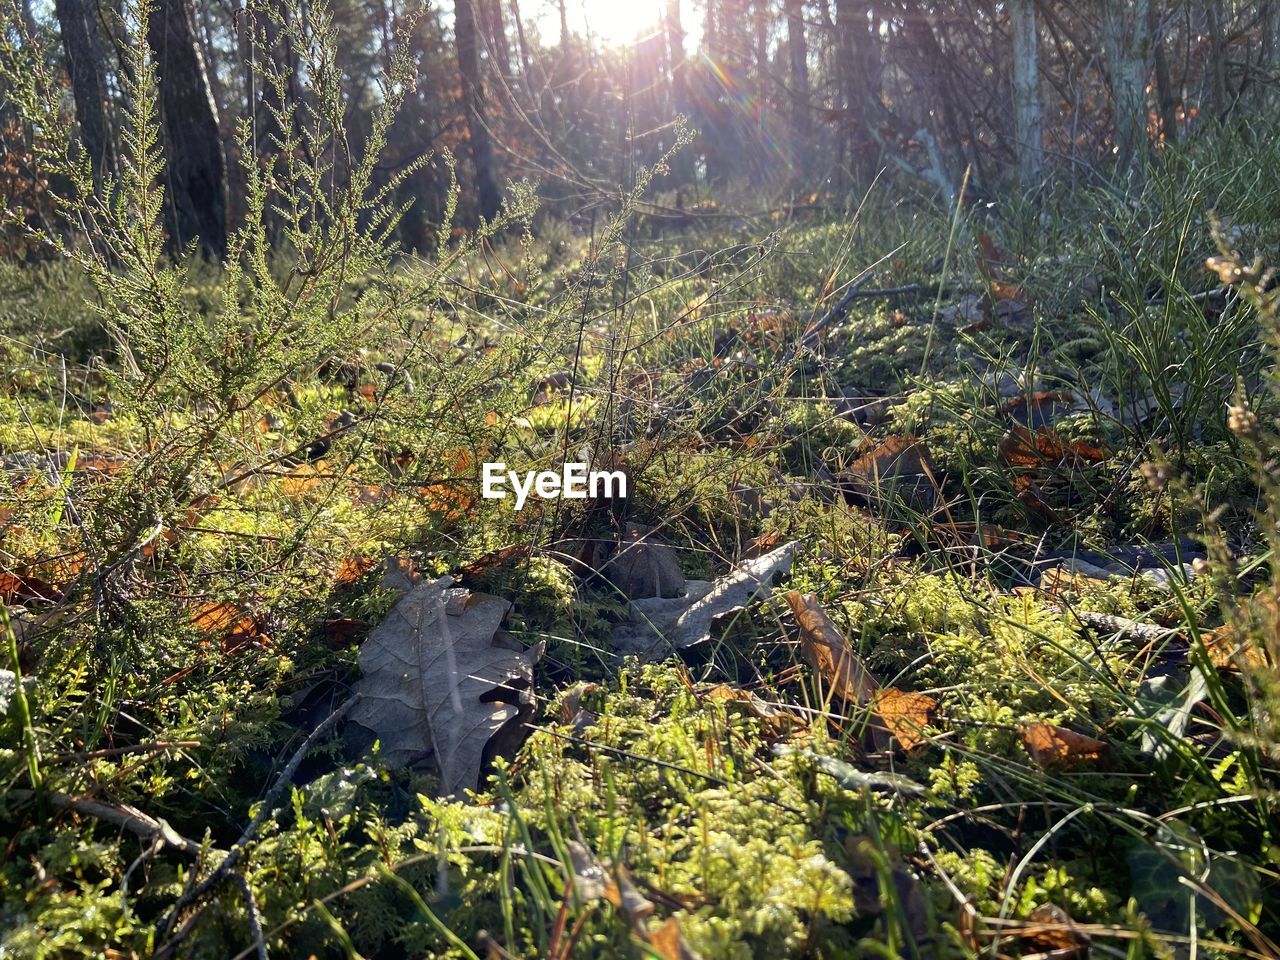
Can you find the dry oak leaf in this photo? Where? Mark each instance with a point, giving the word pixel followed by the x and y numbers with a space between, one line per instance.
pixel 340 631
pixel 19 589
pixel 893 457
pixel 657 624
pixel 776 719
pixel 440 677
pixel 827 651
pixel 1052 746
pixel 350 570
pixel 1230 650
pixel 668 944
pixel 898 464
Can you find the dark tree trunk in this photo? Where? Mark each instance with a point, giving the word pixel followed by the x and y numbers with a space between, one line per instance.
pixel 798 54
pixel 860 89
pixel 496 33
pixel 677 60
pixel 79 29
pixel 526 69
pixel 28 18
pixel 195 174
pixel 473 100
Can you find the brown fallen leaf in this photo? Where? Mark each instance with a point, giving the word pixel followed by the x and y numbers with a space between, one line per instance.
pixel 892 457
pixel 668 944
pixel 905 714
pixel 440 677
pixel 1032 497
pixel 1052 933
pixel 1022 447
pixel 350 570
pixel 339 632
pixel 643 566
pixel 304 478
pixel 451 500
pixel 233 627
pixel 22 589
pixel 827 651
pixel 502 557
pixel 1230 650
pixel 901 464
pixel 1054 747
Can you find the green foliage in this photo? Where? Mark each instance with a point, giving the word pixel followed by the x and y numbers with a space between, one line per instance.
pixel 250 433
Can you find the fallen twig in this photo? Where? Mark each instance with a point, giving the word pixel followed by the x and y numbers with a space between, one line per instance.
pixel 151 747
pixel 1123 625
pixel 255 916
pixel 123 816
pixel 835 314
pixel 220 872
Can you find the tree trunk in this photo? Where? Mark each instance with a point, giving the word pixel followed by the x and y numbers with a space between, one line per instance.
pixel 473 102
pixel 1027 120
pixel 79 28
pixel 1221 93
pixel 677 60
pixel 859 84
pixel 195 174
pixel 1166 98
pixel 798 54
pixel 1125 40
pixel 496 34
pixel 526 69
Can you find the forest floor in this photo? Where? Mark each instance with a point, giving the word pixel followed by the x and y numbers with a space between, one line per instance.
pixel 936 621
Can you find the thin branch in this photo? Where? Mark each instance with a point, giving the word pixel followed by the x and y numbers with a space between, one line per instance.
pixel 265 809
pixel 123 816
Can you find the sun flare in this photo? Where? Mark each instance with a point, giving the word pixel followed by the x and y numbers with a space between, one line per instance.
pixel 616 22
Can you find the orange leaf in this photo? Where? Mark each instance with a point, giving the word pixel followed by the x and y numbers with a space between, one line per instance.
pixel 350 570
pixel 1021 447
pixel 339 632
pixel 448 499
pixel 1051 746
pixel 302 479
pixel 667 943
pixel 232 626
pixel 905 714
pixel 893 457
pixel 1229 650
pixel 503 556
pixel 827 651
pixel 18 589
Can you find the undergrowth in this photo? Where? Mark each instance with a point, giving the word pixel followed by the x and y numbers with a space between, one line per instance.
pixel 213 478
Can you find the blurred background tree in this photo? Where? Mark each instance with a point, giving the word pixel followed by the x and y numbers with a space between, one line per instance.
pixel 789 98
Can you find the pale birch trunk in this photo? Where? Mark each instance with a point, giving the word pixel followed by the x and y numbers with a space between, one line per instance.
pixel 1027 120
